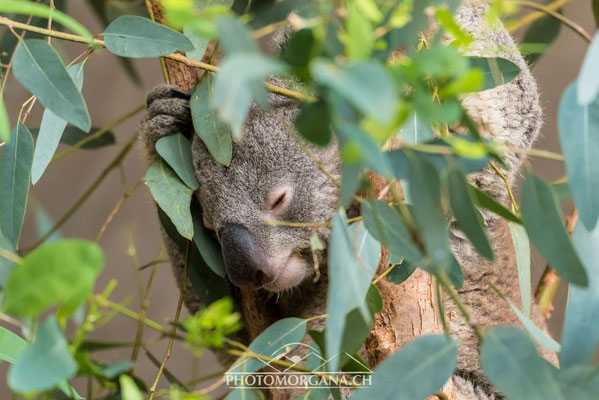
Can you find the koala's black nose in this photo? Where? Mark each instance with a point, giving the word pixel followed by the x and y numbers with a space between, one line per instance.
pixel 245 262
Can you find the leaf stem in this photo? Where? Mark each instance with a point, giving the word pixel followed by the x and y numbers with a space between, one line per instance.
pixel 533 16
pixel 507 185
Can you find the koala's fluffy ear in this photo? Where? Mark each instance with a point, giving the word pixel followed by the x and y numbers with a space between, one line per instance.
pixel 275 42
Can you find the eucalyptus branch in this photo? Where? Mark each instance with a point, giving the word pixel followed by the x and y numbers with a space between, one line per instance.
pixel 533 16
pixel 117 206
pixel 174 56
pixel 162 63
pixel 566 21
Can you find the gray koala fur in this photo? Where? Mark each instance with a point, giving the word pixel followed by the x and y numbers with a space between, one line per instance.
pixel 268 156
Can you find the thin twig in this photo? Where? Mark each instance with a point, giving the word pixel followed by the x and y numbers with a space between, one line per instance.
pixel 117 206
pixel 175 324
pixel 566 21
pixel 533 16
pixel 507 185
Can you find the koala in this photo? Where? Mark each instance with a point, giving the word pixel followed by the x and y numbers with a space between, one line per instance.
pixel 271 177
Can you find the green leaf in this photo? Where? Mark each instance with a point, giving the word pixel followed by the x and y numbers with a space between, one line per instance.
pixel 580 335
pixel 138 37
pixel 596 12
pixel 578 126
pixel 279 338
pixel 485 200
pixel 358 38
pixel 172 195
pixel 385 224
pixel 234 36
pixel 176 151
pixel 51 130
pixel 42 10
pixel 425 195
pixel 245 394
pixel 358 147
pixel 200 43
pixel 129 390
pixel 400 272
pixel 45 363
pixel 206 243
pixel 496 71
pixel 44 224
pixel 50 274
pixel 39 68
pixel 15 170
pixel 367 85
pixel 4 122
pixel 543 222
pixel 215 134
pixel 522 250
pixel 587 85
pixel 543 32
pixel 466 214
pixel 510 360
pixel 239 81
pixel 11 345
pixel 353 257
pixel 6 265
pixel 313 122
pixel 417 371
pixel 415 130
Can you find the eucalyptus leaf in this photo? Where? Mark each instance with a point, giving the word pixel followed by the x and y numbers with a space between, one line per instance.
pixel 353 257
pixel 578 126
pixel 138 37
pixel 543 222
pixel 245 394
pixel 129 390
pixel 45 363
pixel 37 66
pixel 240 80
pixel 50 274
pixel 206 242
pixel 510 360
pixel 587 86
pixel 199 43
pixel 176 151
pixel 400 272
pixel 234 36
pixel 580 335
pixel 279 338
pixel 215 134
pixel 73 135
pixel 11 345
pixel 313 122
pixel 6 265
pixel 543 31
pixel 415 130
pixel 385 224
pixel 15 170
pixel 496 71
pixel 4 123
pixel 51 130
pixel 172 195
pixel 467 216
pixel 367 85
pixel 522 250
pixel 485 200
pixel 415 372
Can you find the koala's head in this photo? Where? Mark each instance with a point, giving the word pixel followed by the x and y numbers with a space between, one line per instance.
pixel 270 178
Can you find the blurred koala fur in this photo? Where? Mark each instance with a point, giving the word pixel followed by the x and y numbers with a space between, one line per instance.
pixel 268 157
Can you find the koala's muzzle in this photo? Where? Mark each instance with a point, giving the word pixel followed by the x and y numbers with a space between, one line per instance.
pixel 245 263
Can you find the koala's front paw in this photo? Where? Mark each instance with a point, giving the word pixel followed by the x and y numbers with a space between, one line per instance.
pixel 167 114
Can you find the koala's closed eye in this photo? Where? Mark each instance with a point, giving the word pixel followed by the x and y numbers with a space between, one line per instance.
pixel 278 200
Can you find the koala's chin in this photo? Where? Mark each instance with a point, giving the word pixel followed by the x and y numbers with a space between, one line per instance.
pixel 291 274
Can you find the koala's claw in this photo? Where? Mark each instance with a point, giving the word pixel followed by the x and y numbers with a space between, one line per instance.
pixel 168 113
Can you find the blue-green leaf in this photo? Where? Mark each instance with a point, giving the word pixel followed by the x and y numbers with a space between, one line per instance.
pixel 172 195
pixel 417 371
pixel 138 37
pixel 496 71
pixel 353 259
pixel 588 79
pixel 44 364
pixel 279 338
pixel 367 85
pixel 176 151
pixel 544 224
pixel 580 336
pixel 240 81
pixel 578 132
pixel 39 68
pixel 215 134
pixel 415 130
pixel 52 273
pixel 510 360
pixel 522 250
pixel 6 265
pixel 207 244
pixel 15 170
pixel 51 130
